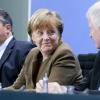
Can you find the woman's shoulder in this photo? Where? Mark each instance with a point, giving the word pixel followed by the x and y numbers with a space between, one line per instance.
pixel 32 54
pixel 34 50
pixel 64 48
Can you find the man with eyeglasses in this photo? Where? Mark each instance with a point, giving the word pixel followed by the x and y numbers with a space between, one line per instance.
pixel 12 52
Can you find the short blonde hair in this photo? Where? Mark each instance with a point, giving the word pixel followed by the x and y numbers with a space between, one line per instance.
pixel 44 18
pixel 94 12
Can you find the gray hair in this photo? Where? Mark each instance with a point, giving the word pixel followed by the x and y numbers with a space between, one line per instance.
pixel 94 13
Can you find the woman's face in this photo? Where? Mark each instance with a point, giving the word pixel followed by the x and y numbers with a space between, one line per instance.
pixel 46 39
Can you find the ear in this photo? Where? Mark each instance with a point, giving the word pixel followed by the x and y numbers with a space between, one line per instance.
pixel 8 27
pixel 33 38
pixel 32 41
pixel 99 27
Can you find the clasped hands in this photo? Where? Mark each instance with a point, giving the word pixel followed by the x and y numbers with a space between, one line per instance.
pixel 53 87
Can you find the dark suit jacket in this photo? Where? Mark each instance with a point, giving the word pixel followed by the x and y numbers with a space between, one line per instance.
pixel 12 61
pixel 93 80
pixel 95 74
pixel 62 67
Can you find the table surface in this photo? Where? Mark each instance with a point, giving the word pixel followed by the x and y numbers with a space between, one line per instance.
pixel 11 95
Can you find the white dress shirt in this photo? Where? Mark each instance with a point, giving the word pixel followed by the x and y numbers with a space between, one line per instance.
pixel 4 45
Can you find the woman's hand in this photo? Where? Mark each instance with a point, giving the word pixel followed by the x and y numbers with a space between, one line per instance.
pixel 53 87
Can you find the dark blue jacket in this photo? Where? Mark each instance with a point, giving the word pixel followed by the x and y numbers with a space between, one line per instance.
pixel 93 80
pixel 95 75
pixel 12 61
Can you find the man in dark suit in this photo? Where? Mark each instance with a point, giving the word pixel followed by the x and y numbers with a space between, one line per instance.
pixel 93 16
pixel 93 80
pixel 12 52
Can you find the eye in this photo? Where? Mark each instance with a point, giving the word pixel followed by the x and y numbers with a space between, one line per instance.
pixel 51 32
pixel 39 33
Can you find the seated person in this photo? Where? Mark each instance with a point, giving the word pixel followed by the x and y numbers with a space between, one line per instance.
pixel 93 15
pixel 92 82
pixel 51 56
pixel 12 52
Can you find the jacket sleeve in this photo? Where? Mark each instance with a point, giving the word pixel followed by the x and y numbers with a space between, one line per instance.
pixel 65 69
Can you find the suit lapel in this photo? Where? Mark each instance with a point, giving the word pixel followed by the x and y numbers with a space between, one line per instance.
pixel 47 65
pixel 7 52
pixel 44 68
pixel 95 80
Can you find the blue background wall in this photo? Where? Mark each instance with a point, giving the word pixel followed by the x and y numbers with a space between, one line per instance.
pixel 73 13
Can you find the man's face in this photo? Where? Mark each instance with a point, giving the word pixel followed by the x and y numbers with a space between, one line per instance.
pixel 94 32
pixel 4 31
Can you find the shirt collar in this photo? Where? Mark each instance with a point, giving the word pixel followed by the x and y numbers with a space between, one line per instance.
pixel 6 42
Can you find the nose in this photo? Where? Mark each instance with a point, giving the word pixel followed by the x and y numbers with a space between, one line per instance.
pixel 90 35
pixel 45 36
